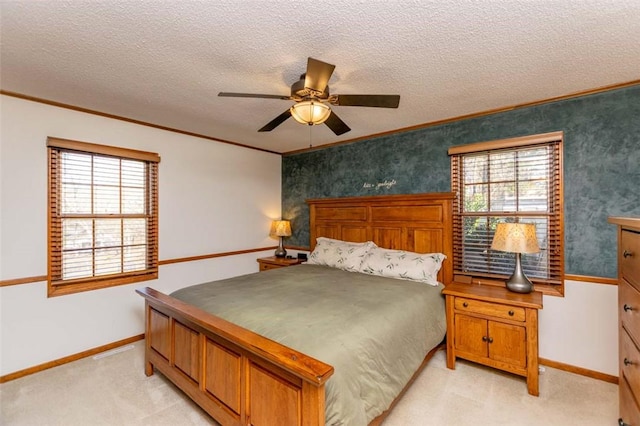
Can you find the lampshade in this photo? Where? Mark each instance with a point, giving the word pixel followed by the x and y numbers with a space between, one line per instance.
pixel 310 112
pixel 280 228
pixel 515 238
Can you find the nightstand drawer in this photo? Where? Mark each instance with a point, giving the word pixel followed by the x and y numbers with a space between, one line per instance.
pixel 267 266
pixel 630 256
pixel 491 309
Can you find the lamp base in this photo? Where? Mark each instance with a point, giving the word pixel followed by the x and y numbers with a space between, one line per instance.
pixel 518 286
pixel 518 282
pixel 280 251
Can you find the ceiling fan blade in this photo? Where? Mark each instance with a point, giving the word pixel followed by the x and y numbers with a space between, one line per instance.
pixel 252 95
pixel 336 124
pixel 276 121
pixel 318 75
pixel 379 101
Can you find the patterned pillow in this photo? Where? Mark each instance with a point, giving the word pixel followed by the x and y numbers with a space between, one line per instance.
pixel 339 254
pixel 403 264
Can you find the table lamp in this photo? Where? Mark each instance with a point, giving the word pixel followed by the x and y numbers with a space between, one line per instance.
pixel 517 238
pixel 280 229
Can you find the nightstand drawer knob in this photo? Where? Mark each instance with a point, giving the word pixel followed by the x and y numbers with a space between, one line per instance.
pixel 627 308
pixel 511 313
pixel 627 253
pixel 465 304
pixel 627 362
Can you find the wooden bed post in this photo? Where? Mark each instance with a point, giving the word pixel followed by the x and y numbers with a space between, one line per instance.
pixel 313 406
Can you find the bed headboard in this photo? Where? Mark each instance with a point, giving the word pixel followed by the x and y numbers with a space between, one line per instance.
pixel 417 222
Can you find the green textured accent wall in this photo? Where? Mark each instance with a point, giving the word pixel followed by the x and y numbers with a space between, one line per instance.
pixel 601 168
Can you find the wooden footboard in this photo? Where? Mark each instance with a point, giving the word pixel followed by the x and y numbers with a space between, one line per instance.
pixel 235 375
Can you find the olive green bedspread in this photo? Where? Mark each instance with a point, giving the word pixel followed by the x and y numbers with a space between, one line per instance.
pixel 374 331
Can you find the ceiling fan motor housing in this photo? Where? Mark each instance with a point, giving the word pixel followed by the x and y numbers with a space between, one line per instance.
pixel 299 91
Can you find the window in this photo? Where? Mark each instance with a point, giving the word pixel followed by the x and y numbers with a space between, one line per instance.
pixel 512 180
pixel 103 216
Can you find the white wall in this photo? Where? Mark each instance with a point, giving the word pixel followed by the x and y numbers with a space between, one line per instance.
pixel 581 329
pixel 202 184
pixel 213 197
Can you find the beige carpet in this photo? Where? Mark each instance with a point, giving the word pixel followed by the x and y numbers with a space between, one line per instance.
pixel 114 391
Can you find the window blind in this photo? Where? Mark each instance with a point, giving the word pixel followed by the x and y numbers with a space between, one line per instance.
pixel 508 183
pixel 103 217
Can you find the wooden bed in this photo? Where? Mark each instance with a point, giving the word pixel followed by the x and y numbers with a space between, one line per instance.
pixel 242 378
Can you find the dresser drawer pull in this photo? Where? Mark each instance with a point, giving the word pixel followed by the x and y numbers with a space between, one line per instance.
pixel 465 304
pixel 627 253
pixel 622 423
pixel 627 308
pixel 511 313
pixel 627 362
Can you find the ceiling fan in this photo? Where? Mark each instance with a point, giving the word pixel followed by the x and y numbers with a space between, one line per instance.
pixel 311 94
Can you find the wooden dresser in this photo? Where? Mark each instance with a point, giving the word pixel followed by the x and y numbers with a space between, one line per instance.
pixel 629 318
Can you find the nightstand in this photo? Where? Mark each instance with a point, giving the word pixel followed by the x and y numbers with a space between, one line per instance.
pixel 273 262
pixel 495 327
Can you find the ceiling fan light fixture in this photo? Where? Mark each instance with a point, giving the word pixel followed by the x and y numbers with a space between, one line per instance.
pixel 310 112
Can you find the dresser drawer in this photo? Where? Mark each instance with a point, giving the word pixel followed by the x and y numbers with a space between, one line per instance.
pixel 629 309
pixel 629 360
pixel 629 411
pixel 490 309
pixel 630 256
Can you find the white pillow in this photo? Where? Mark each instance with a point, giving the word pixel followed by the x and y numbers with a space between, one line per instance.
pixel 403 264
pixel 339 254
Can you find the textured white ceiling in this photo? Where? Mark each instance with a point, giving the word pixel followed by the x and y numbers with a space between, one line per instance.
pixel 164 62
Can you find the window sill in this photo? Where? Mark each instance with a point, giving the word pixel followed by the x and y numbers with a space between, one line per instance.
pixel 61 288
